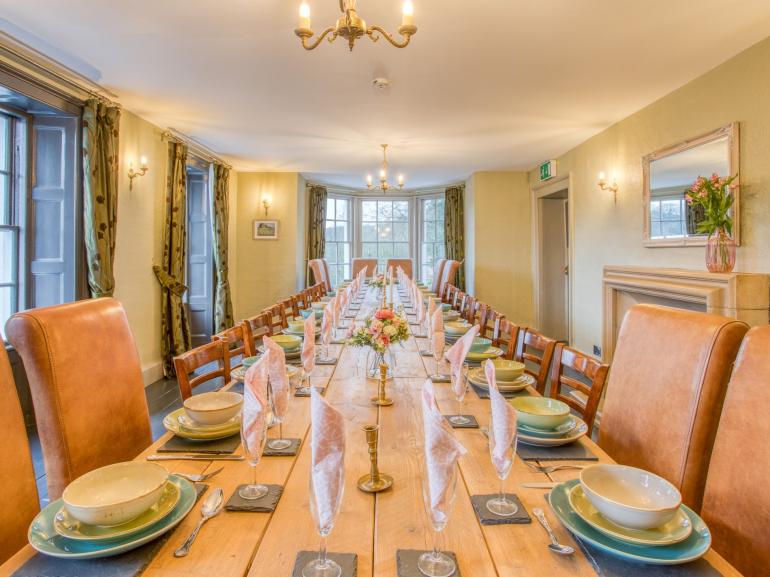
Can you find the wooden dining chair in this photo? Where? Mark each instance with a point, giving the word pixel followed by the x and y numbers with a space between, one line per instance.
pixel 235 340
pixel 254 328
pixel 301 301
pixel 449 274
pixel 535 350
pixel 290 308
pixel 359 264
pixel 17 477
pixel 276 319
pixel 468 310
pixel 320 270
pixel 488 320
pixel 736 505
pixel 438 273
pixel 578 380
pixel 448 296
pixel 83 368
pixel 458 301
pixel 207 362
pixel 505 336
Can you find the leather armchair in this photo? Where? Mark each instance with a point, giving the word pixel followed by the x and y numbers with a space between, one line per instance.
pixel 86 383
pixel 665 392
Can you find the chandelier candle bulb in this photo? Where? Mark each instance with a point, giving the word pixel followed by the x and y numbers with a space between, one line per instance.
pixel 408 14
pixel 304 16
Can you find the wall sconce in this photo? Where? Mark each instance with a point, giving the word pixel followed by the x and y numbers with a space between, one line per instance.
pixel 132 174
pixel 612 187
pixel 267 202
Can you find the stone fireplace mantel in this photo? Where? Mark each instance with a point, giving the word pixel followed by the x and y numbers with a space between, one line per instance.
pixel 743 296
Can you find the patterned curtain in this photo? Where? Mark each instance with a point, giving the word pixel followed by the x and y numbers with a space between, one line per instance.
pixel 174 324
pixel 454 215
pixel 316 234
pixel 100 194
pixel 223 305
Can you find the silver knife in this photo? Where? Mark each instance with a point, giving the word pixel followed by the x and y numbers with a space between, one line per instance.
pixel 195 457
pixel 539 485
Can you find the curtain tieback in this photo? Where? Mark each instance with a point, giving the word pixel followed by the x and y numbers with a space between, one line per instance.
pixel 168 282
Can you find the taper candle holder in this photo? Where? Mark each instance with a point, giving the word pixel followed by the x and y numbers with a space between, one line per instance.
pixel 375 481
pixel 381 400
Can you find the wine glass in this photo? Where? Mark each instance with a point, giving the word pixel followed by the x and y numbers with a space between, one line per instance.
pixel 500 505
pixel 459 391
pixel 253 445
pixel 280 443
pixel 322 566
pixel 438 353
pixel 434 563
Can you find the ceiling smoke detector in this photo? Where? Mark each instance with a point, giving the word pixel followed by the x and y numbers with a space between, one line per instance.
pixel 381 83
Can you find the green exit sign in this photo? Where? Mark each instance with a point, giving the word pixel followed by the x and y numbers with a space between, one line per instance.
pixel 547 170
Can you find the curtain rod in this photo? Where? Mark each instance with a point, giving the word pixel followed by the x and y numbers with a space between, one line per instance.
pixel 27 56
pixel 379 193
pixel 195 146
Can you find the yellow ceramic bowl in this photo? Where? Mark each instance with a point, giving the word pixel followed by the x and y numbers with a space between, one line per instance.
pixel 297 326
pixel 213 408
pixel 540 412
pixel 115 494
pixel 288 342
pixel 457 327
pixel 506 370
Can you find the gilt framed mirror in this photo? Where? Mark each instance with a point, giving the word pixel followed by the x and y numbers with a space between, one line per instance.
pixel 667 174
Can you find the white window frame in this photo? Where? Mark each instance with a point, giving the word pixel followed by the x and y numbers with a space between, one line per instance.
pixel 412 225
pixel 420 240
pixel 351 224
pixel 682 220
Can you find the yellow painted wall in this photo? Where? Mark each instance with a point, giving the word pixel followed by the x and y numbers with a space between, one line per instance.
pixel 501 247
pixel 609 233
pixel 140 236
pixel 267 269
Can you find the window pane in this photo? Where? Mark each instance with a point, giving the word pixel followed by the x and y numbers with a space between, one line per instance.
pixel 440 232
pixel 6 306
pixel 429 232
pixel 330 208
pixel 440 209
pixel 330 253
pixel 401 210
pixel 7 256
pixel 385 251
pixel 343 231
pixel 369 210
pixel 384 233
pixel 5 148
pixel 671 210
pixel 341 253
pixel 428 209
pixel 369 250
pixel 384 210
pixel 5 199
pixel 655 210
pixel 369 232
pixel 671 228
pixel 440 251
pixel 330 235
pixel 401 231
pixel 342 209
pixel 655 233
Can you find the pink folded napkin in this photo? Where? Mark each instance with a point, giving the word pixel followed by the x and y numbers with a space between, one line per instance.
pixel 503 424
pixel 308 345
pixel 437 330
pixel 441 453
pixel 420 305
pixel 456 357
pixel 279 380
pixel 336 309
pixel 327 466
pixel 255 408
pixel 431 310
pixel 326 325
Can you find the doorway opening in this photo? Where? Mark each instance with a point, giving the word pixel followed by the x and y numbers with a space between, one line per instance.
pixel 552 241
pixel 200 258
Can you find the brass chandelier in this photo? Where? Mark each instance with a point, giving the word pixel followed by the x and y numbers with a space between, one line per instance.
pixel 351 27
pixel 384 185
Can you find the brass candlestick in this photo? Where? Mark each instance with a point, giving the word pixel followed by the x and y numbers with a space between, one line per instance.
pixel 381 400
pixel 375 481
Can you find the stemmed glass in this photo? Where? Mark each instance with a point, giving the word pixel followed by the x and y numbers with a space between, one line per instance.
pixel 280 443
pixel 438 353
pixel 435 563
pixel 459 391
pixel 322 566
pixel 500 505
pixel 253 448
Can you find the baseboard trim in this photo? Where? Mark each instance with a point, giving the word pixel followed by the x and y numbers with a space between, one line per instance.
pixel 152 374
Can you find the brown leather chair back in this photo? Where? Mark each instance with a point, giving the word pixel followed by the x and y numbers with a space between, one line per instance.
pixel 86 384
pixel 535 350
pixel 449 274
pixel 406 265
pixel 17 477
pixel 665 392
pixel 584 376
pixel 214 355
pixel 438 272
pixel 254 329
pixel 320 272
pixel 736 505
pixel 370 264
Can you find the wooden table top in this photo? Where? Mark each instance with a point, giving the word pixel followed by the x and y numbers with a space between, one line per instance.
pixel 237 544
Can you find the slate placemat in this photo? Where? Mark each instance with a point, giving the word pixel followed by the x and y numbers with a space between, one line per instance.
pixel 406 563
pixel 426 353
pixel 486 517
pixel 226 446
pixel 264 504
pixel 287 452
pixel 472 424
pixel 305 391
pixel 348 562
pixel 440 378
pixel 571 452
pixel 128 564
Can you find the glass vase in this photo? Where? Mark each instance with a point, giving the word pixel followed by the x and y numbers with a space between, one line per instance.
pixel 375 358
pixel 720 252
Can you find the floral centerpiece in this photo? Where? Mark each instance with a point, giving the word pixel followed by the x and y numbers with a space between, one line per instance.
pixel 378 281
pixel 714 195
pixel 380 331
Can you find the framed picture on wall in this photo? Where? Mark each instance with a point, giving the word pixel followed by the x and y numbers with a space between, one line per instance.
pixel 265 230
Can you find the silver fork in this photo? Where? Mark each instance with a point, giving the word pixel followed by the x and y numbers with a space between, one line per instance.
pixel 199 478
pixel 551 468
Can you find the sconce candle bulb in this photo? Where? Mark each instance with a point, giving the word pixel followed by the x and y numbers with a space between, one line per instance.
pixel 132 174
pixel 612 187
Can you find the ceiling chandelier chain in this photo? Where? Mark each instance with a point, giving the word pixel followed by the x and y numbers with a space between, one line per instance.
pixel 351 27
pixel 384 185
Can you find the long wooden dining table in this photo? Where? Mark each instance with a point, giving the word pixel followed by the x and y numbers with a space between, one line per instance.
pixel 374 527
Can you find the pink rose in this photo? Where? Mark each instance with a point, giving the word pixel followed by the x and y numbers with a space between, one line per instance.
pixel 384 314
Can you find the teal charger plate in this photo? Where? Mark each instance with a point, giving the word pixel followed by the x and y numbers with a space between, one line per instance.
pixel 44 538
pixel 692 548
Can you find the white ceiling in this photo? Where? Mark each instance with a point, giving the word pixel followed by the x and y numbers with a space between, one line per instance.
pixel 485 85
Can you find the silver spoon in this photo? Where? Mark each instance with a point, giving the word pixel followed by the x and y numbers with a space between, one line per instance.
pixel 211 507
pixel 554 545
pixel 199 478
